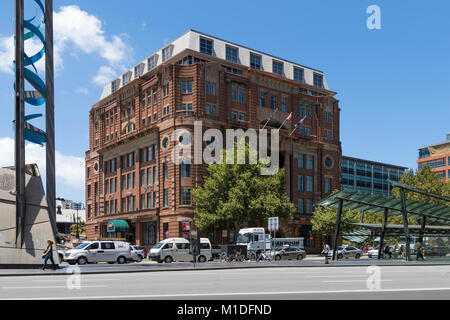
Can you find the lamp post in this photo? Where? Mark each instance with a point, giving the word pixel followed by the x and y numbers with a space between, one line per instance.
pixel 77 207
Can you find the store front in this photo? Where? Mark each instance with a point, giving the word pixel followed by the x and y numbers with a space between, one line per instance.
pixel 149 233
pixel 185 228
pixel 118 229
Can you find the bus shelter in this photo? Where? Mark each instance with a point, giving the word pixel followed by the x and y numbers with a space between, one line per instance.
pixel 437 210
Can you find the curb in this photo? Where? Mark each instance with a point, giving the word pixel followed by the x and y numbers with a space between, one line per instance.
pixel 221 268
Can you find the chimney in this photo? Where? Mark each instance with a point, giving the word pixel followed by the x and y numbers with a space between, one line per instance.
pixel 448 137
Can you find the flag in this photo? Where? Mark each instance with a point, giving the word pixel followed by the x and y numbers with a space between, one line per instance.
pixel 298 124
pixel 287 119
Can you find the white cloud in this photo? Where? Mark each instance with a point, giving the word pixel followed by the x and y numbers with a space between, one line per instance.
pixel 74 29
pixel 82 91
pixel 104 75
pixel 69 169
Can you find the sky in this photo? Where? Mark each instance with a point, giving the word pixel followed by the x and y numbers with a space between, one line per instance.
pixel 392 83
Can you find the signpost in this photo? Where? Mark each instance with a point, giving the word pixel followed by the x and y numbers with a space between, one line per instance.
pixel 194 244
pixel 274 224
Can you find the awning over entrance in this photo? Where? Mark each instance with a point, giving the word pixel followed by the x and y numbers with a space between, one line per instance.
pixel 118 226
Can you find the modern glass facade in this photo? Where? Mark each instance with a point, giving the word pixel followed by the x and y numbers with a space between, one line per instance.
pixel 437 157
pixel 368 176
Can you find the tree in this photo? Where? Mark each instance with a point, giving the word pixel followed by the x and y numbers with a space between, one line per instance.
pixel 239 194
pixel 324 220
pixel 426 180
pixel 81 227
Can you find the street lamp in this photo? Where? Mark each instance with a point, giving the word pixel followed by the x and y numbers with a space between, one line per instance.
pixel 77 206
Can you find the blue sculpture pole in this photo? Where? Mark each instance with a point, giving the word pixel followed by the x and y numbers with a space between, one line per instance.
pixel 19 152
pixel 43 93
pixel 50 115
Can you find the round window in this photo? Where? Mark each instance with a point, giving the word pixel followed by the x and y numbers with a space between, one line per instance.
pixel 328 162
pixel 165 142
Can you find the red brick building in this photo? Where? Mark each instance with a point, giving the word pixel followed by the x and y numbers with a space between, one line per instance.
pixel 134 190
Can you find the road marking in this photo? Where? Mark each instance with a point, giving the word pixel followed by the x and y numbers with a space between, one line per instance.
pixel 82 279
pixel 49 287
pixel 359 280
pixel 232 294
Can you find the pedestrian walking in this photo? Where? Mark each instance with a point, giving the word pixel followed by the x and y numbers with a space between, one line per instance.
pixel 48 254
pixel 325 251
pixel 419 251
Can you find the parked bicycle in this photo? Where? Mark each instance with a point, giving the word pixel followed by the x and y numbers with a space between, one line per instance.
pixel 264 256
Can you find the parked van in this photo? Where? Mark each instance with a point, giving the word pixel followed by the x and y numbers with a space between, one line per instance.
pixel 99 251
pixel 177 249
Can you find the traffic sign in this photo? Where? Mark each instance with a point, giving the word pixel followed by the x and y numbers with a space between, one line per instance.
pixel 274 224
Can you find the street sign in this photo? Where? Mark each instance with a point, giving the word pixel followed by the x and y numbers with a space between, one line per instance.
pixel 274 224
pixel 194 243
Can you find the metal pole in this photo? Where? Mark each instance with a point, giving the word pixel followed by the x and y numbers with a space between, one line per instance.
pixel 50 115
pixel 19 151
pixel 338 226
pixel 78 235
pixel 422 229
pixel 405 224
pixel 383 233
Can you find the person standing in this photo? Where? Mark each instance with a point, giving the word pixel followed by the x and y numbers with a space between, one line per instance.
pixel 325 251
pixel 48 254
pixel 419 251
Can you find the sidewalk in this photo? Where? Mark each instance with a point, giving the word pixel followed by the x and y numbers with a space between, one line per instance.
pixel 148 266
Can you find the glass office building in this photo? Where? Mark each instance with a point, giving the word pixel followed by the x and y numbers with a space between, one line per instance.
pixel 369 176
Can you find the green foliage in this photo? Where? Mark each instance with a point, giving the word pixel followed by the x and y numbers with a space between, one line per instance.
pixel 424 179
pixel 324 220
pixel 81 227
pixel 239 194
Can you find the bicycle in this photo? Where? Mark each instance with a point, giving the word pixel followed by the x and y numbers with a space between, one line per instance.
pixel 223 257
pixel 264 255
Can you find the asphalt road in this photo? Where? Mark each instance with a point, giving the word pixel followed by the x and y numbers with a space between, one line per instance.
pixel 395 282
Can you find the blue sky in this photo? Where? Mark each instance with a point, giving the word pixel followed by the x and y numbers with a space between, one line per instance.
pixel 391 83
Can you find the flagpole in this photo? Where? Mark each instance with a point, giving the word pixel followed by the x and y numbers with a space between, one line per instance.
pixel 270 118
pixel 300 122
pixel 288 118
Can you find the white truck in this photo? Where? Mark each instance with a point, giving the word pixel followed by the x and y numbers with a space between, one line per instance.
pixel 257 240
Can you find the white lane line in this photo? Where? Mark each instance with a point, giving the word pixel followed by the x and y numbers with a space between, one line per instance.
pixel 359 280
pixel 82 279
pixel 49 287
pixel 233 294
pixel 338 276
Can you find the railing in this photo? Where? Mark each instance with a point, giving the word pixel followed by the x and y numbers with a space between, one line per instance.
pixel 184 113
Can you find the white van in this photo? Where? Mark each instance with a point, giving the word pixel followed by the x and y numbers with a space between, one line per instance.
pixel 177 249
pixel 99 251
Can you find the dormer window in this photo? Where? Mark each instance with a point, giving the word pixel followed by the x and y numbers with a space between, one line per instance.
pixel 299 75
pixel 151 62
pixel 206 46
pixel 126 78
pixel 115 85
pixel 166 53
pixel 318 80
pixel 138 70
pixel 277 67
pixel 232 54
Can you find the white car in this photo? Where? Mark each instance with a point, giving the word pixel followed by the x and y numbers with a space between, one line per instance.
pixel 177 249
pixel 373 253
pixel 137 254
pixel 99 251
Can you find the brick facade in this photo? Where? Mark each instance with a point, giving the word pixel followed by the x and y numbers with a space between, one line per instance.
pixel 126 123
